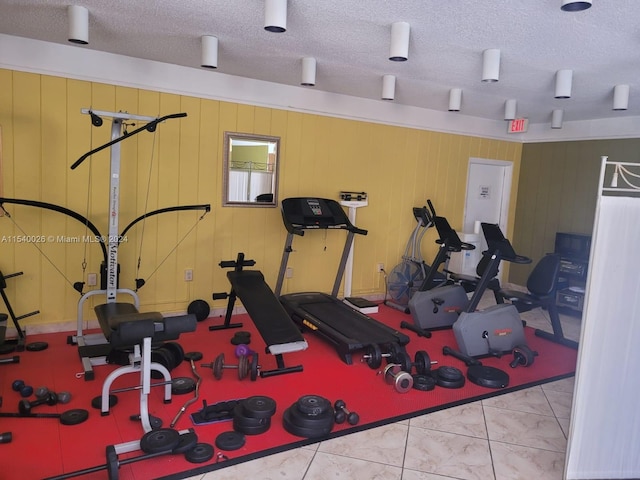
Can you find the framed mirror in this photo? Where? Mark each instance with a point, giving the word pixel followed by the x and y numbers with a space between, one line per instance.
pixel 250 176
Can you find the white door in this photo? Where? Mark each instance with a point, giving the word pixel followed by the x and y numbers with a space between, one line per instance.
pixel 488 192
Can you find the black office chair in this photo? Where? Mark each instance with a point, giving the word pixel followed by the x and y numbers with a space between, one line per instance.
pixel 542 285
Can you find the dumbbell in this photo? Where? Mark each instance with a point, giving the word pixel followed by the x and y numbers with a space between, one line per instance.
pixel 421 362
pixel 63 397
pixel 401 380
pixel 245 366
pixel 25 406
pixel 343 414
pixel 522 355
pixel 23 389
pixel 373 354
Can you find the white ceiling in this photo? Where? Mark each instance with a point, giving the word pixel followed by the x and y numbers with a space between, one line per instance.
pixel 350 40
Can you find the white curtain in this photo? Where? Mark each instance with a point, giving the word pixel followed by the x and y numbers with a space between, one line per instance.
pixel 238 186
pixel 261 182
pixel 604 440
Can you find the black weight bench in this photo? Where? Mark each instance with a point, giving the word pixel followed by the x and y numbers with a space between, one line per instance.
pixel 124 327
pixel 276 328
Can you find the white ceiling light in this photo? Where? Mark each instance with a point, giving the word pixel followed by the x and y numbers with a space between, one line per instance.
pixel 308 72
pixel 491 65
pixel 275 15
pixel 564 79
pixel 388 87
pixel 575 5
pixel 209 52
pixel 399 51
pixel 556 118
pixel 621 97
pixel 455 99
pixel 78 24
pixel 510 109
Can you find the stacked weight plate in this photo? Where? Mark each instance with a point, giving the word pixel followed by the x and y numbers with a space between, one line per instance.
pixel 252 415
pixel 311 416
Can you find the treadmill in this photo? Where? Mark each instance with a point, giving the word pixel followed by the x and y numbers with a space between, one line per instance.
pixel 348 330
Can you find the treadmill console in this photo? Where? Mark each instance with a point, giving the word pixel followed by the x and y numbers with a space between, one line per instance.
pixel 302 213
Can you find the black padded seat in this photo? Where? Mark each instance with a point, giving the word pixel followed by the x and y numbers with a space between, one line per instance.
pixel 122 324
pixel 542 285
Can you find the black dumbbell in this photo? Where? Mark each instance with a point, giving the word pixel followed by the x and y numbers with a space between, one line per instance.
pixel 343 414
pixel 373 354
pixel 23 389
pixel 421 362
pixel 25 406
pixel 247 366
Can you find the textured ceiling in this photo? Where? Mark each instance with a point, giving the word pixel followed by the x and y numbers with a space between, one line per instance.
pixel 350 40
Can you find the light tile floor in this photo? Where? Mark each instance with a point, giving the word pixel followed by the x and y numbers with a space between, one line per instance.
pixel 519 435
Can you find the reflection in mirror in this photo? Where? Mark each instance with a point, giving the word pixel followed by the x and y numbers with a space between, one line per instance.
pixel 250 176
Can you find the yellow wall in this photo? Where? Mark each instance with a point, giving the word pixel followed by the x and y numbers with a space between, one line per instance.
pixel 44 133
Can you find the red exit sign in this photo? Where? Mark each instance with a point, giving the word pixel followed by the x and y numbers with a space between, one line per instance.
pixel 518 125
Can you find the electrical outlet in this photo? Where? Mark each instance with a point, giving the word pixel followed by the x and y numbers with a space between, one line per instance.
pixel 92 279
pixel 379 267
pixel 288 272
pixel 188 275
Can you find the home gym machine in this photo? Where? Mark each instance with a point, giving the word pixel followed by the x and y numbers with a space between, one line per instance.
pixel 437 308
pixel 408 276
pixel 499 328
pixel 17 344
pixel 348 330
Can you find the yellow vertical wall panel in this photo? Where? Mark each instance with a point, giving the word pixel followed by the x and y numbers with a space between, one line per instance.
pixel 319 156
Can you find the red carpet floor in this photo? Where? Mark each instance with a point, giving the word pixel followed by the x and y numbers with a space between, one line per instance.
pixel 43 447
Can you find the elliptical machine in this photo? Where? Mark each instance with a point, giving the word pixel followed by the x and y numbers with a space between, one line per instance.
pixel 408 276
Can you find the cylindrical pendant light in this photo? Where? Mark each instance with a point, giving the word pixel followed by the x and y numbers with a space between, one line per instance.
pixel 78 24
pixel 556 118
pixel 564 79
pixel 399 51
pixel 510 109
pixel 275 15
pixel 209 52
pixel 388 87
pixel 575 5
pixel 621 97
pixel 491 65
pixel 308 72
pixel 455 99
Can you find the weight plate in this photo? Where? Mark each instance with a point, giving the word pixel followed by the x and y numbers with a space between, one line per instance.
pixel 451 382
pixel 424 383
pixel 489 377
pixel 202 452
pixel 395 349
pixel 374 356
pixel 182 385
pixel 422 362
pixel 36 346
pixel 195 356
pixel 293 429
pixel 160 440
pixel 243 367
pixel 7 348
pixel 164 358
pixel 96 402
pixel 187 442
pixel 252 430
pixel 313 404
pixel 177 351
pixel 241 337
pixel 218 364
pixel 325 419
pixel 449 373
pixel 258 406
pixel 404 360
pixel 253 369
pixel 112 463
pixel 240 419
pixel 230 441
pixel 74 417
